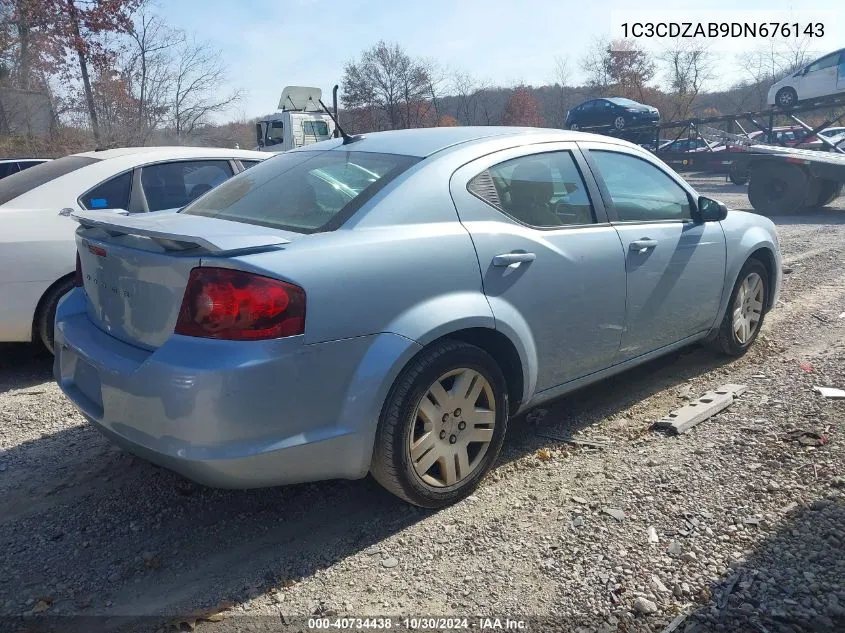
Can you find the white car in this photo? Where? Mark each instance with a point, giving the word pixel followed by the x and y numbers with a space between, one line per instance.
pixel 37 247
pixel 821 78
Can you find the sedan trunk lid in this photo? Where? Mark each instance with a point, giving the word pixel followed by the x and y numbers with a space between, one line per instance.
pixel 135 268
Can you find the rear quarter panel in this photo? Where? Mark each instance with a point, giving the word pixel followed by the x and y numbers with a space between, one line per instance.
pixel 36 249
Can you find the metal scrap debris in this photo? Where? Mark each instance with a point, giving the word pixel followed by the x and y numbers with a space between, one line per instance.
pixel 682 420
pixel 806 438
pixel 568 439
pixel 830 392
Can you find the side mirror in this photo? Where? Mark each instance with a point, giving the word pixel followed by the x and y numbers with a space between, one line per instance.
pixel 710 210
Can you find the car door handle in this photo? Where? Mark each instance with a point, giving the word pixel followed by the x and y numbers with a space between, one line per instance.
pixel 643 245
pixel 506 259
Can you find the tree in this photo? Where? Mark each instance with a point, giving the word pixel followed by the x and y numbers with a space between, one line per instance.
pixel 198 73
pixel 522 109
pixel 469 93
pixel 560 81
pixel 687 67
pixel 631 68
pixel 596 65
pixel 76 25
pixel 147 63
pixel 28 48
pixel 622 65
pixel 385 78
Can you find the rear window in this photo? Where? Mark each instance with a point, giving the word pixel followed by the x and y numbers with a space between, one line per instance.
pixel 22 182
pixel 304 192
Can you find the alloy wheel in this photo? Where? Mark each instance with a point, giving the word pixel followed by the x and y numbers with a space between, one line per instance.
pixel 748 308
pixel 452 428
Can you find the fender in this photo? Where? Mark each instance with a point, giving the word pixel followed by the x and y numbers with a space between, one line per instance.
pixel 744 238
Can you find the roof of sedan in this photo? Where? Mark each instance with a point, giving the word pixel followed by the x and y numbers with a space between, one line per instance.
pixel 424 142
pixel 175 151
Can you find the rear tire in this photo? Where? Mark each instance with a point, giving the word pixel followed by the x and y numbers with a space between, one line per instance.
pixel 738 176
pixel 786 98
pixel 778 189
pixel 46 317
pixel 733 339
pixel 415 429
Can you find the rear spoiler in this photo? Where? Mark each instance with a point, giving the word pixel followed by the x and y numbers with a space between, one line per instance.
pixel 177 232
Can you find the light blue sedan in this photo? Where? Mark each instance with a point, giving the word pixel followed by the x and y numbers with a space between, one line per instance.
pixel 384 304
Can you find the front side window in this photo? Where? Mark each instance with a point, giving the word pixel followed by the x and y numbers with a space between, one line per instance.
pixel 639 191
pixel 275 133
pixel 112 194
pixel 541 190
pixel 304 192
pixel 173 185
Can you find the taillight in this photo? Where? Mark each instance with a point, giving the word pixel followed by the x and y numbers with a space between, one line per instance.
pixel 77 277
pixel 234 305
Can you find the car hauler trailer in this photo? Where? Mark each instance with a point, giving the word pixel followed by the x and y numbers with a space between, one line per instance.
pixel 722 150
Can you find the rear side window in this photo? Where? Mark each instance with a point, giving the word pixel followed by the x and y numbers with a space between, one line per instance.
pixel 249 163
pixel 29 163
pixel 112 194
pixel 542 190
pixel 7 169
pixel 27 180
pixel 304 192
pixel 173 185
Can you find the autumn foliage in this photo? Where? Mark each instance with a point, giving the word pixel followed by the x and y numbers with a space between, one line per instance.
pixel 521 109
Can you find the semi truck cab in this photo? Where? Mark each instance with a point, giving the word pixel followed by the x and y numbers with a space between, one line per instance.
pixel 300 121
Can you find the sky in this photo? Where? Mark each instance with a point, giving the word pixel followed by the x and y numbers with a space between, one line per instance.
pixel 268 44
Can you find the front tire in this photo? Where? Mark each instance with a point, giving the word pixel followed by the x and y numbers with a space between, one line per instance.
pixel 619 123
pixel 738 176
pixel 46 317
pixel 442 426
pixel 746 310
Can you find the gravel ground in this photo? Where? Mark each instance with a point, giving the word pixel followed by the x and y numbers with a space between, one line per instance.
pixel 736 526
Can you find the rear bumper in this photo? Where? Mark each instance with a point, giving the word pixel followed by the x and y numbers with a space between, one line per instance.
pixel 231 414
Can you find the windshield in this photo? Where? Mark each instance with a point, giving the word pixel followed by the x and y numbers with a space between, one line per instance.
pixel 304 192
pixel 23 182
